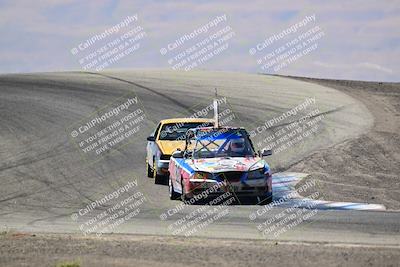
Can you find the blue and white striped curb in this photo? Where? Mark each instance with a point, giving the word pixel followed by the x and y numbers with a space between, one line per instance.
pixel 283 187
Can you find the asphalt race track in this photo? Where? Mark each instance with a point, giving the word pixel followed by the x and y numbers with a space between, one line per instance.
pixel 44 180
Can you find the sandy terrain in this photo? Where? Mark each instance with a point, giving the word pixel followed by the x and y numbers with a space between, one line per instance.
pixel 365 169
pixel 138 250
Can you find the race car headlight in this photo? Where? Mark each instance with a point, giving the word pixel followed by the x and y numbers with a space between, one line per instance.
pixel 256 174
pixel 201 175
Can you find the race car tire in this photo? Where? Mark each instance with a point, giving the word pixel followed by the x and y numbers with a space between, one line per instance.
pixel 184 197
pixel 149 170
pixel 172 194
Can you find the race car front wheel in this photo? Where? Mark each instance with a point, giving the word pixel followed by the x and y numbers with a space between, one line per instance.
pixel 149 170
pixel 172 194
pixel 184 197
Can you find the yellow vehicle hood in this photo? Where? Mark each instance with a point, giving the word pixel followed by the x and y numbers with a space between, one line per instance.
pixel 167 147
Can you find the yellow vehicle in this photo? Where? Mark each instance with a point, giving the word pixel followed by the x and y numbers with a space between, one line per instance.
pixel 168 136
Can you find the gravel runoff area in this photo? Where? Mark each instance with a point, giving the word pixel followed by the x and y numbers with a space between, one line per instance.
pixel 365 169
pixel 141 250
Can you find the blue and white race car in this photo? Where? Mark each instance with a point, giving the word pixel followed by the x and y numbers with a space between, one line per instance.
pixel 223 155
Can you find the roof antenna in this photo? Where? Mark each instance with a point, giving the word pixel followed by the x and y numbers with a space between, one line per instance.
pixel 216 125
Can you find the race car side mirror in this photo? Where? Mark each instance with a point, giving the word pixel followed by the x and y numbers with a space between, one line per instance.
pixel 151 138
pixel 266 153
pixel 177 154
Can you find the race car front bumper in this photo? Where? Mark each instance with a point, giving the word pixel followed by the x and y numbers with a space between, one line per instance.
pixel 250 189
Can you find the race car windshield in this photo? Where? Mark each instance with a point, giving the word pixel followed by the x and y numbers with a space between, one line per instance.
pixel 222 144
pixel 176 131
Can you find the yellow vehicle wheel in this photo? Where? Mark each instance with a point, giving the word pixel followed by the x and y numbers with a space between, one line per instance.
pixel 149 171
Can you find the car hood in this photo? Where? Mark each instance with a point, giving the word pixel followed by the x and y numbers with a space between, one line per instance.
pixel 168 147
pixel 215 165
